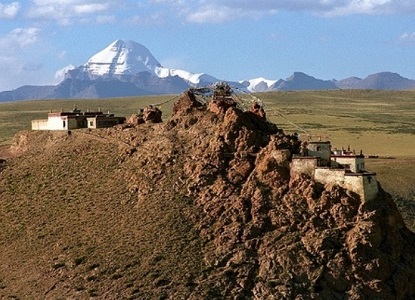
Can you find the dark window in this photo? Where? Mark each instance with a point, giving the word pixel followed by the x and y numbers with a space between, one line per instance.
pixel 347 166
pixel 64 124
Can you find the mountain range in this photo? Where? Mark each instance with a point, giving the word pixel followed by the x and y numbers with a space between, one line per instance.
pixel 126 68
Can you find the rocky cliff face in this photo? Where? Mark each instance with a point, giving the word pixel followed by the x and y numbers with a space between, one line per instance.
pixel 280 237
pixel 208 210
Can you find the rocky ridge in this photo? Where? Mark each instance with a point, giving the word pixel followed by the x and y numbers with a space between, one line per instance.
pixel 216 181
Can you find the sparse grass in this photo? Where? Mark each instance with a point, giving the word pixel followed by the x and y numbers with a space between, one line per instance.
pixel 75 214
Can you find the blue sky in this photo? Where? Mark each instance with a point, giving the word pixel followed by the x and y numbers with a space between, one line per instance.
pixel 231 40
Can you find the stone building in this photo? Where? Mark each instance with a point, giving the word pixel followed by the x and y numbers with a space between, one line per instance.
pixel 104 121
pixel 348 160
pixel 343 168
pixel 75 119
pixel 321 150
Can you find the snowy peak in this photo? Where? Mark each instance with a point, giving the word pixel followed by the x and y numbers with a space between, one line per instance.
pixel 259 84
pixel 190 78
pixel 125 58
pixel 122 57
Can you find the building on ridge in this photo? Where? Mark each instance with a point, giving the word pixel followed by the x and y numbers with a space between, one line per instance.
pixel 75 118
pixel 342 167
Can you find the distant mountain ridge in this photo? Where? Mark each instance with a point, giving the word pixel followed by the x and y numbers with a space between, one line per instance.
pixel 378 81
pixel 126 68
pixel 301 81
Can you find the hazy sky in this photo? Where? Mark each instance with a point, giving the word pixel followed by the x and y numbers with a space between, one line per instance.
pixel 229 39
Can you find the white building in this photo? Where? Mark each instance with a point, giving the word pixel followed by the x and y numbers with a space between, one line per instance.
pixel 343 168
pixel 320 149
pixel 75 119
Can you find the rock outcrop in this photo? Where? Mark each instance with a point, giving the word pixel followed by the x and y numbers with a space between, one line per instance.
pixel 280 237
pixel 152 114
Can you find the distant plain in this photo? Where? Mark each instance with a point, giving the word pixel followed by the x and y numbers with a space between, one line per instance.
pixel 380 123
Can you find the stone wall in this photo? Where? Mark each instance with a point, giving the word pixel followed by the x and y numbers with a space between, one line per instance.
pixel 326 175
pixel 370 185
pixel 40 124
pixel 355 184
pixel 353 163
pixel 303 165
pixel 320 149
pixel 108 122
pixel 72 124
pixel 57 123
pixel 363 184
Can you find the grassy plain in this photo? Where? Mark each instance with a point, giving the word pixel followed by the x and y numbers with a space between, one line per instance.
pixel 381 123
pixel 378 122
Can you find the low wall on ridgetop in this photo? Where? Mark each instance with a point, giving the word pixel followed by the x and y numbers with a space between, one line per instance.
pixel 363 184
pixel 40 124
pixel 303 165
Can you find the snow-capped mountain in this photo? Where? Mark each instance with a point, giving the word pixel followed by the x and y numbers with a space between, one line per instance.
pixel 191 78
pixel 126 68
pixel 125 58
pixel 297 81
pixel 259 84
pixel 121 58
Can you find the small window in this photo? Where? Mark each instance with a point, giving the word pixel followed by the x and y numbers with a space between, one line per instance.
pixel 64 124
pixel 91 123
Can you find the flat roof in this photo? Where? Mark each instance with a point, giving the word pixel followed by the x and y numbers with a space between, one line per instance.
pixel 349 156
pixel 320 142
pixel 75 114
pixel 361 174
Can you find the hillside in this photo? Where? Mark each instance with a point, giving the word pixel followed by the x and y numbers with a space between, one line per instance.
pixel 199 207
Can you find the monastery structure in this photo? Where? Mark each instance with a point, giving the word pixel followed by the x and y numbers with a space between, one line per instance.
pixel 75 119
pixel 342 167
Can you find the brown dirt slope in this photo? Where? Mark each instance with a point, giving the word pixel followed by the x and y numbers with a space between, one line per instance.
pixel 199 207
